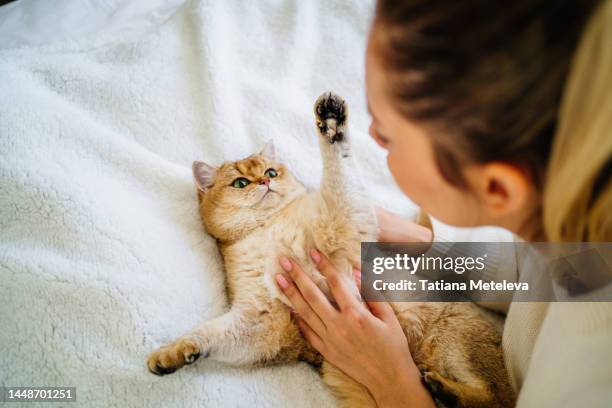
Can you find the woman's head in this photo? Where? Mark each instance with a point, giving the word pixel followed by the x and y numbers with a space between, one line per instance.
pixel 468 97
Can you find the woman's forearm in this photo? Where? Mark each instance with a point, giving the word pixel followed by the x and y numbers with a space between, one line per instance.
pixel 395 228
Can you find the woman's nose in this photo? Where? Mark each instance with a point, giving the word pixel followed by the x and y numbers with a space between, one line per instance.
pixel 265 181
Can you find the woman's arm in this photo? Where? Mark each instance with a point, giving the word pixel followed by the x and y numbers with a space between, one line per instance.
pixel 364 340
pixel 393 227
pixel 502 262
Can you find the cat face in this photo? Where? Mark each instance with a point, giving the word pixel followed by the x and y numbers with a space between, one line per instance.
pixel 242 194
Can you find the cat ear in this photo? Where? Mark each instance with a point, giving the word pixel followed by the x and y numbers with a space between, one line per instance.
pixel 269 151
pixel 204 175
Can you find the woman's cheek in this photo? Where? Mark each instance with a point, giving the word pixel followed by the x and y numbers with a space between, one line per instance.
pixel 406 176
pixel 424 186
pixel 416 173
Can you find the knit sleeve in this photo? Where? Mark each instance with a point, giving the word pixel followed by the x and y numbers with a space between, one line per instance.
pixel 501 261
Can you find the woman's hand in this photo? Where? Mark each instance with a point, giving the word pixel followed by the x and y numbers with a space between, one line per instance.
pixel 365 342
pixel 395 228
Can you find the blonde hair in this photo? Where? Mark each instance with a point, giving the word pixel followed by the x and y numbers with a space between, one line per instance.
pixel 577 202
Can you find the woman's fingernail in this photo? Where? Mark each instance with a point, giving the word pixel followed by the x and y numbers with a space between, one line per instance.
pixel 314 254
pixel 282 281
pixel 285 264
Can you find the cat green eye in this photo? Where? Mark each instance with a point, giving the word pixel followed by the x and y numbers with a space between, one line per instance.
pixel 271 173
pixel 241 182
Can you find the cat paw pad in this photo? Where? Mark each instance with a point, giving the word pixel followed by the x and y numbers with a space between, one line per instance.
pixel 331 114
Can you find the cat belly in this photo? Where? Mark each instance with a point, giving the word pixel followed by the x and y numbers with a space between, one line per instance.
pixel 273 290
pixel 291 240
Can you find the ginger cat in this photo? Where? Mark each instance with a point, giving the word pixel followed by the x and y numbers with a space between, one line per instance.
pixel 258 211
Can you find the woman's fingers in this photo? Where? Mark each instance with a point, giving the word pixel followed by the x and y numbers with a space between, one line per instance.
pixel 310 292
pixel 301 307
pixel 357 277
pixel 337 284
pixel 311 336
pixel 382 310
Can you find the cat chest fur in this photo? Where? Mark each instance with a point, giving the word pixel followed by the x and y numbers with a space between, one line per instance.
pixel 252 262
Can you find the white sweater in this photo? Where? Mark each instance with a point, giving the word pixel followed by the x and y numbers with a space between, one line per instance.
pixel 557 354
pixel 560 354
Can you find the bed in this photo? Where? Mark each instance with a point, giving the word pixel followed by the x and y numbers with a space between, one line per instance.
pixel 103 107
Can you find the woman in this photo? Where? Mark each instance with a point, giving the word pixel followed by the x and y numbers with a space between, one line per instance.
pixel 491 115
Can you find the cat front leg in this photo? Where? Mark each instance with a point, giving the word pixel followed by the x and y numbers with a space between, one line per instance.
pixel 341 185
pixel 221 338
pixel 331 114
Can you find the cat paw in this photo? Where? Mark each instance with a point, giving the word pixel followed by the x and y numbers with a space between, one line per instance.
pixel 170 358
pixel 437 386
pixel 433 381
pixel 331 114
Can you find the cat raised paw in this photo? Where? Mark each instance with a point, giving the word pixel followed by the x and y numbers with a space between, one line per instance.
pixel 331 113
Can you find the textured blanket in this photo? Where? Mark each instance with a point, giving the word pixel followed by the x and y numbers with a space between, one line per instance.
pixel 102 255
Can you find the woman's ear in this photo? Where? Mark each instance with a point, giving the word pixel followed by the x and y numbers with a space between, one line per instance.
pixel 203 175
pixel 505 190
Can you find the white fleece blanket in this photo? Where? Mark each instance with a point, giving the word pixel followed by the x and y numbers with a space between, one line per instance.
pixel 102 255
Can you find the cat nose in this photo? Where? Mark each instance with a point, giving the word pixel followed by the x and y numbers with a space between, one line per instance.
pixel 265 181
